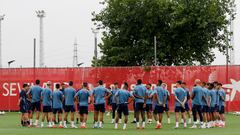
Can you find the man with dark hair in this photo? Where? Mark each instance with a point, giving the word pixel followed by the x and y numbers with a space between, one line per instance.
pixel 149 103
pixel 140 94
pixel 222 99
pixel 99 95
pixel 180 100
pixel 35 95
pixel 47 104
pixel 166 108
pixel 69 94
pixel 23 105
pixel 187 108
pixel 205 103
pixel 114 102
pixel 57 105
pixel 123 96
pixel 160 97
pixel 197 96
pixel 82 96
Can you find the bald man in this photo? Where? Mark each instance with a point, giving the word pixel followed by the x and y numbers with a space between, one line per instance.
pixel 197 96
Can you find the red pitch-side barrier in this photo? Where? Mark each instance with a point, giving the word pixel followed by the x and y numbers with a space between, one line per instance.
pixel 11 80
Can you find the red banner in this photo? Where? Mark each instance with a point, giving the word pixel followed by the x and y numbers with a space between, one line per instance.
pixel 11 80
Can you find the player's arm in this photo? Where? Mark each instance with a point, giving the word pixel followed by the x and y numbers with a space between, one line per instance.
pixel 222 97
pixel 109 94
pixel 131 98
pixel 76 97
pixel 193 94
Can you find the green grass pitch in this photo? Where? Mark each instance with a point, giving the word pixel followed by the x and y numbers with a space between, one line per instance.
pixel 9 125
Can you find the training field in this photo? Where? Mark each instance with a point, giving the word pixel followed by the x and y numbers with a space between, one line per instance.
pixel 9 125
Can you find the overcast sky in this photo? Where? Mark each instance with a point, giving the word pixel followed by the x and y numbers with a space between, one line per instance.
pixel 65 20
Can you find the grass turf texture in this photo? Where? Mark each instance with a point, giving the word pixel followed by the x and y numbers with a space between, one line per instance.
pixel 9 125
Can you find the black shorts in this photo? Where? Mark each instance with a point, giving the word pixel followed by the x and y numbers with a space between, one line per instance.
pixel 99 108
pixel 69 108
pixel 187 108
pixel 166 108
pixel 36 106
pixel 221 110
pixel 83 110
pixel 114 106
pixel 24 108
pixel 197 108
pixel 148 107
pixel 179 109
pixel 205 109
pixel 123 108
pixel 216 108
pixel 139 107
pixel 47 109
pixel 158 109
pixel 57 110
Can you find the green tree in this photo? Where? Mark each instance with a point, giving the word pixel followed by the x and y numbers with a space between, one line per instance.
pixel 187 31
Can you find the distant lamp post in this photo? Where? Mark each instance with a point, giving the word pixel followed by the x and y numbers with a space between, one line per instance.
pixel 80 64
pixel 10 62
pixel 95 32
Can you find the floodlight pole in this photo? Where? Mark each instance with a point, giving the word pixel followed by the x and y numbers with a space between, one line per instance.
pixel 41 15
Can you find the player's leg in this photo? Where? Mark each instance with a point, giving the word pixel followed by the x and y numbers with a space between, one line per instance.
pixel 126 113
pixel 96 113
pixel 200 114
pixel 114 107
pixel 137 111
pixel 156 117
pixel 102 111
pixel 67 110
pixel 177 116
pixel 119 111
pixel 142 111
pixel 73 111
pixel 38 108
pixel 194 113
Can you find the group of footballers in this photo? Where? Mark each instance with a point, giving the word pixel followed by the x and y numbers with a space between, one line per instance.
pixel 207 104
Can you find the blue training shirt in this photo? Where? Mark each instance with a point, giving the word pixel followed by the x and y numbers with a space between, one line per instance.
pixel 83 96
pixel 123 96
pixel 99 94
pixel 167 94
pixel 206 95
pixel 149 100
pixel 198 95
pixel 141 91
pixel 47 97
pixel 35 92
pixel 69 94
pixel 181 94
pixel 222 94
pixel 161 94
pixel 213 96
pixel 113 100
pixel 57 99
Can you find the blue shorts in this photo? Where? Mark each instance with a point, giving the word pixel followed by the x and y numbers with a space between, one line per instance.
pixel 179 109
pixel 83 110
pixel 123 108
pixel 139 107
pixel 47 109
pixel 158 109
pixel 69 108
pixel 148 107
pixel 99 108
pixel 221 110
pixel 36 106
pixel 166 108
pixel 57 110
pixel 187 108
pixel 205 109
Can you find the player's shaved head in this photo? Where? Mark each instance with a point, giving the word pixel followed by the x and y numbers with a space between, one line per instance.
pixel 198 81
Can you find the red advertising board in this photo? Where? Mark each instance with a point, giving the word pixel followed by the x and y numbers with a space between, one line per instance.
pixel 11 80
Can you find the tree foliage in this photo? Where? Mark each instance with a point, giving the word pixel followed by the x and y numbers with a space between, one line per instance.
pixel 187 31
